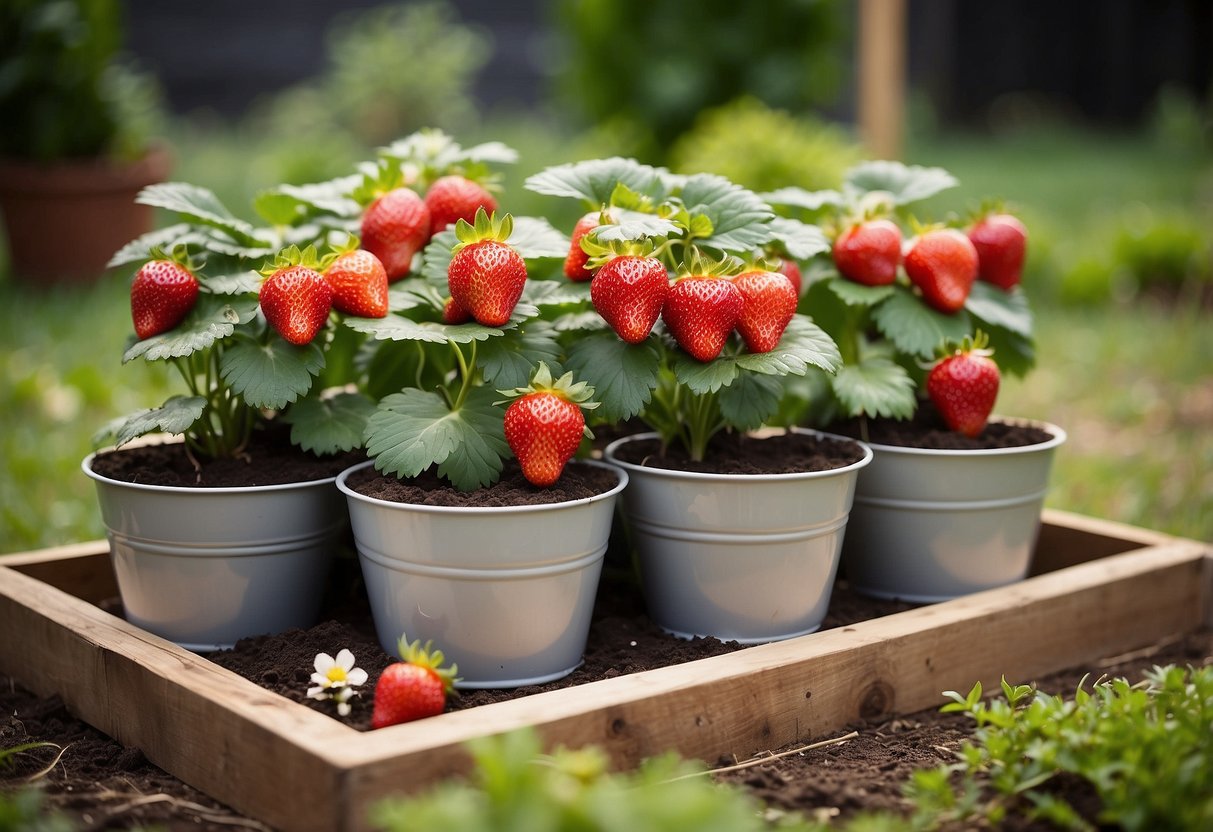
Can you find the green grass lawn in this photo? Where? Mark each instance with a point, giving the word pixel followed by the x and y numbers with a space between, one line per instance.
pixel 1132 383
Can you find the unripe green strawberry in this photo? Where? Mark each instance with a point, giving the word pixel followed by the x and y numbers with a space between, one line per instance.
pixel 162 294
pixel 544 424
pixel 869 252
pixel 395 226
pixel 700 312
pixel 963 386
pixel 942 263
pixel 629 291
pixel 485 276
pixel 1001 242
pixel 296 301
pixel 359 283
pixel 769 304
pixel 413 688
pixel 453 198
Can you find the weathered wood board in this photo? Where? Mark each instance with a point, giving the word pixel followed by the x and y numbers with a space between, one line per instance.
pixel 1101 588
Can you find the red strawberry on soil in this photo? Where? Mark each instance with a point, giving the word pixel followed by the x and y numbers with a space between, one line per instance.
pixel 868 252
pixel 1001 242
pixel 394 228
pixel 296 302
pixel 963 387
pixel 413 688
pixel 942 263
pixel 769 304
pixel 629 291
pixel 575 263
pixel 359 284
pixel 162 294
pixel 544 425
pixel 453 198
pixel 486 277
pixel 700 312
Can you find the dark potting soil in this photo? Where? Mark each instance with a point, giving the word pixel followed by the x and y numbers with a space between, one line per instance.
pixel 736 453
pixel 927 430
pixel 269 459
pixel 577 482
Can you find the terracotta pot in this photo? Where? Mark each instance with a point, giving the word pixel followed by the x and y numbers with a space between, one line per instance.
pixel 64 220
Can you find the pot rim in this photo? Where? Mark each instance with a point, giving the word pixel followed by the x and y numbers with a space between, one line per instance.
pixel 1059 437
pixel 484 510
pixel 739 478
pixel 86 466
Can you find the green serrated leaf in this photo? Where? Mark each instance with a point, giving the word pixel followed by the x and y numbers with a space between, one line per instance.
pixel 287 204
pixel 175 416
pixel 139 249
pixel 534 238
pixel 509 362
pixel 903 183
pixel 240 282
pixel 586 321
pixel 700 377
pixel 436 256
pixel 329 425
pixel 750 400
pixel 740 219
pixel 799 239
pixel 996 308
pixel 561 292
pixel 632 225
pixel 201 205
pixel 876 387
pixel 270 375
pixel 414 430
pixel 914 327
pixel 594 181
pixel 1013 353
pixel 398 328
pixel 623 375
pixel 800 198
pixel 212 318
pixel 410 294
pixel 857 294
pixel 803 345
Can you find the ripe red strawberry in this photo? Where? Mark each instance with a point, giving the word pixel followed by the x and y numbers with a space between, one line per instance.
pixel 769 304
pixel 296 302
pixel 963 387
pixel 701 311
pixel 359 284
pixel 942 263
pixel 453 198
pixel 486 277
pixel 574 263
pixel 790 269
pixel 868 252
pixel 162 294
pixel 628 291
pixel 394 228
pixel 413 688
pixel 544 425
pixel 1001 242
pixel 453 313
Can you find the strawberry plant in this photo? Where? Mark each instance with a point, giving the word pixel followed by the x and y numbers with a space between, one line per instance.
pixel 892 289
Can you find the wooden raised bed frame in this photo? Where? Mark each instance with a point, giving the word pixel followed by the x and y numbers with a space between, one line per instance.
pixel 1106 588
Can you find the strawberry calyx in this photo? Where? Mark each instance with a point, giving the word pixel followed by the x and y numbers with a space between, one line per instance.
pixel 698 266
pixel 430 658
pixel 601 253
pixel 293 256
pixel 486 228
pixel 386 175
pixel 579 393
pixel 976 344
pixel 179 254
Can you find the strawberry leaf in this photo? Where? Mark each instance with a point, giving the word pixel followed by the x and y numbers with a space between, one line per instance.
pixel 286 204
pixel 509 362
pixel 587 320
pixel 799 239
pixel 543 293
pixel 623 375
pixel 740 221
pixel 804 345
pixel 436 256
pixel 916 328
pixel 1013 353
pixel 876 387
pixel 329 425
pixel 213 317
pixel 165 239
pixel 270 375
pixel 793 197
pixel 175 416
pixel 996 308
pixel 700 377
pixel 857 294
pixel 398 328
pixel 535 238
pixel 413 430
pixel 750 400
pixel 201 205
pixel 594 181
pixel 408 294
pixel 633 225
pixel 903 183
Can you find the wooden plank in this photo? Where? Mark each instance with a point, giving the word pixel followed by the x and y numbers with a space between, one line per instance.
pixel 80 569
pixel 1067 539
pixel 881 76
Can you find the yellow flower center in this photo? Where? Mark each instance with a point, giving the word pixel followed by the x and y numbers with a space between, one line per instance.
pixel 336 674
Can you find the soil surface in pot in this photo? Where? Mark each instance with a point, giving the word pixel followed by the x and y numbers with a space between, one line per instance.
pixel 736 453
pixel 269 459
pixel 927 430
pixel 577 482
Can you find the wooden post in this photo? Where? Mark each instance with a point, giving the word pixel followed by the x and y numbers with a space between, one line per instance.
pixel 882 48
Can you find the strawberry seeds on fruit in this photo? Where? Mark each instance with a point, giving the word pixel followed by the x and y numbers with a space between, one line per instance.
pixel 963 386
pixel 486 276
pixel 544 424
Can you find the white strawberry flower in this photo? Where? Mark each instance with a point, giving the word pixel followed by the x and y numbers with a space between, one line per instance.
pixel 336 678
